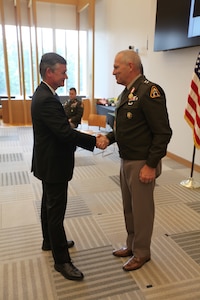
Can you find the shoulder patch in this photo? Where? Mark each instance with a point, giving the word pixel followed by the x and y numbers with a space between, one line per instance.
pixel 154 93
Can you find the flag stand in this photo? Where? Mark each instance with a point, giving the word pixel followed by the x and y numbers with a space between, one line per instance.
pixel 190 182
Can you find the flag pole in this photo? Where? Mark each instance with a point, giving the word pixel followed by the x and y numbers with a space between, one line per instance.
pixel 192 167
pixel 190 182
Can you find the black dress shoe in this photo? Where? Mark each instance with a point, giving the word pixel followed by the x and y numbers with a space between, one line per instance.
pixel 46 246
pixel 70 244
pixel 69 271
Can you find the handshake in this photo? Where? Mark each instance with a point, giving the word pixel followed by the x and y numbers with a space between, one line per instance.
pixel 102 141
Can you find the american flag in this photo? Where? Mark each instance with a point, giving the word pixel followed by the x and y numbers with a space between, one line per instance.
pixel 192 111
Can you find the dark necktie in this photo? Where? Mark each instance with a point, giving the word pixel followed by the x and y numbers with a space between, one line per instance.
pixel 124 95
pixel 124 92
pixel 57 97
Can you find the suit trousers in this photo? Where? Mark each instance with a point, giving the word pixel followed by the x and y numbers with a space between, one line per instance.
pixel 138 204
pixel 54 202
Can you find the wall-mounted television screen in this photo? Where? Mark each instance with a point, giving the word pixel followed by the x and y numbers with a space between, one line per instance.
pixel 177 24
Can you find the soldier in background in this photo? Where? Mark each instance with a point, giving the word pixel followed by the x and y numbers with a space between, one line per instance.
pixel 73 108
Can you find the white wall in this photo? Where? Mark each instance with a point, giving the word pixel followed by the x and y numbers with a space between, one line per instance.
pixel 131 22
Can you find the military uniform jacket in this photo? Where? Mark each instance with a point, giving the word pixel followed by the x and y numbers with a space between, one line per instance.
pixel 54 140
pixel 142 125
pixel 74 111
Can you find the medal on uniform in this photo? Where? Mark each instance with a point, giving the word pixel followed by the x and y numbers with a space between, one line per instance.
pixel 132 97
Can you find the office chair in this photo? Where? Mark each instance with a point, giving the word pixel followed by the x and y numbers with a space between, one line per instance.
pixel 97 120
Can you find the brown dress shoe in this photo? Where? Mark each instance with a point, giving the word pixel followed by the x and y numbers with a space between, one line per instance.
pixel 135 263
pixel 123 252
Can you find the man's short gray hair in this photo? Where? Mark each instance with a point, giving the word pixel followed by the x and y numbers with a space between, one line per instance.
pixel 130 56
pixel 49 60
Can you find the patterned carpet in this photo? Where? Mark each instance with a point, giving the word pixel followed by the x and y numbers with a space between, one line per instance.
pixel 94 220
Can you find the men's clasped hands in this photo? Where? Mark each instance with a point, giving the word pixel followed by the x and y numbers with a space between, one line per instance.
pixel 102 141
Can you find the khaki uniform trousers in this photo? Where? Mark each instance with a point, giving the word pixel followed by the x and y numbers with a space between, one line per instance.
pixel 138 204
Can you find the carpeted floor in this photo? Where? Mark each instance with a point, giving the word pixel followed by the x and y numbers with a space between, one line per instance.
pixel 94 220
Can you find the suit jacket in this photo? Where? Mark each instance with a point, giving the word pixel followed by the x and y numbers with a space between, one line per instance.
pixel 54 140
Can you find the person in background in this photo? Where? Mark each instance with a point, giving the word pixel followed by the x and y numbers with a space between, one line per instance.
pixel 53 160
pixel 142 133
pixel 73 108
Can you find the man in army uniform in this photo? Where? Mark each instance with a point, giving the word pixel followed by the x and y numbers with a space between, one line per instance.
pixel 142 133
pixel 73 108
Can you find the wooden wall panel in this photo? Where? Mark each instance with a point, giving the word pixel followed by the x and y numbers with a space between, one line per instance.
pixel 18 110
pixel 28 112
pixel 5 111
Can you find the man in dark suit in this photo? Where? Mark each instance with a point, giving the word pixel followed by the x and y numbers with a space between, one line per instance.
pixel 53 160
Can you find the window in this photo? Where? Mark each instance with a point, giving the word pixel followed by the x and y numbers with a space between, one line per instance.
pixel 64 42
pixel 13 62
pixel 27 60
pixel 83 62
pixel 2 68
